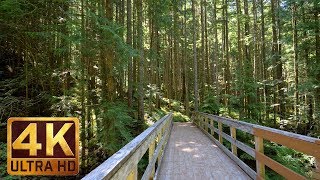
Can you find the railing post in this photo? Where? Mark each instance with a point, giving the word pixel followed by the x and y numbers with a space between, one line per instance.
pixel 159 139
pixel 212 126
pixel 133 175
pixel 233 132
pixel 220 132
pixel 206 124
pixel 259 148
pixel 151 152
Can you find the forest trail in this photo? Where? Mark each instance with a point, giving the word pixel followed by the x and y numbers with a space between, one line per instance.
pixel 190 154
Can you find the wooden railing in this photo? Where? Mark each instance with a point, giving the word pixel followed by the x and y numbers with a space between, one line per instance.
pixel 124 163
pixel 304 144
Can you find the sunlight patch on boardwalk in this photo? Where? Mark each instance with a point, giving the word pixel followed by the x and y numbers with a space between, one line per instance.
pixel 190 154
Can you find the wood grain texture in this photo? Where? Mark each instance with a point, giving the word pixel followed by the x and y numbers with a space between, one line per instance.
pixel 247 149
pixel 260 149
pixel 299 144
pixel 238 161
pixel 191 155
pixel 233 132
pixel 246 127
pixel 157 154
pixel 220 132
pixel 133 175
pixel 211 127
pixel 151 155
pixel 305 144
pixel 277 167
pixel 249 128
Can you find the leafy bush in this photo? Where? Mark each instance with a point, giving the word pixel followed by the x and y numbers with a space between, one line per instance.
pixel 290 158
pixel 178 117
pixel 3 163
pixel 117 127
pixel 210 105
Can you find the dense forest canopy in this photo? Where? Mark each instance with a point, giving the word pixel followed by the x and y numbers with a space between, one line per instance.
pixel 118 65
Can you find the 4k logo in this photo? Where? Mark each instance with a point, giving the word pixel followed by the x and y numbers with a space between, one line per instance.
pixel 43 146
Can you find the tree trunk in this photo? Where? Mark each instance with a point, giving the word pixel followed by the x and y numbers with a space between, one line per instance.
pixel 295 64
pixel 275 60
pixel 195 62
pixel 317 46
pixel 141 62
pixel 185 74
pixel 129 42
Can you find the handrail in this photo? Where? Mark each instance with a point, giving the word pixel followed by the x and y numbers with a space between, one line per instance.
pixel 305 144
pixel 123 164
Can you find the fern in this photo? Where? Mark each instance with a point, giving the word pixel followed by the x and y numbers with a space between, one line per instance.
pixel 116 128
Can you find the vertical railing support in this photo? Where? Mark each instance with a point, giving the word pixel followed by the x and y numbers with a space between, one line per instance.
pixel 220 132
pixel 203 123
pixel 206 124
pixel 151 152
pixel 259 148
pixel 133 175
pixel 233 132
pixel 159 138
pixel 212 126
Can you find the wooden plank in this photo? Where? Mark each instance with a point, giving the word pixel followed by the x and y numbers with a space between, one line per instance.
pixel 128 156
pixel 137 157
pixel 277 167
pixel 310 148
pixel 220 132
pixel 148 174
pixel 159 165
pixel 165 143
pixel 212 125
pixel 247 149
pixel 260 149
pixel 151 155
pixel 159 136
pixel 238 161
pixel 233 132
pixel 133 175
pixel 249 128
pixel 305 144
pixel 243 126
pixel 206 124
pixel 215 129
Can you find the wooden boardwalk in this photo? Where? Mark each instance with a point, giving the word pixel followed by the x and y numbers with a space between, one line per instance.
pixel 190 154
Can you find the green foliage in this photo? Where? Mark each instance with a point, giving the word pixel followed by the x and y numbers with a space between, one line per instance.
pixel 179 117
pixel 3 159
pixel 290 158
pixel 117 127
pixel 210 105
pixel 175 105
pixel 3 163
